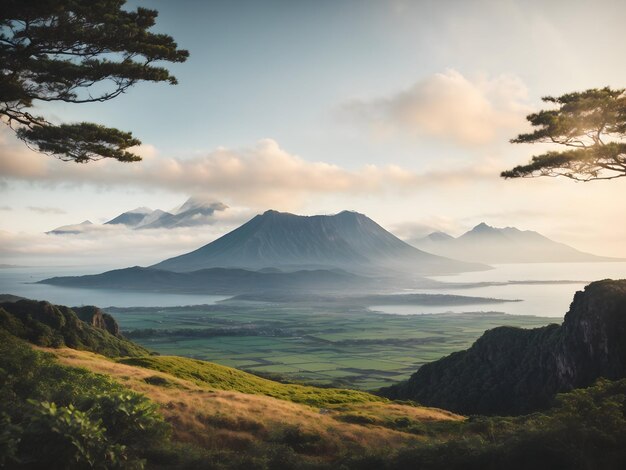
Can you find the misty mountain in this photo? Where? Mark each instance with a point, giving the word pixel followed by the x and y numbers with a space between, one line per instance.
pixel 131 218
pixel 74 229
pixel 347 240
pixel 491 245
pixel 194 212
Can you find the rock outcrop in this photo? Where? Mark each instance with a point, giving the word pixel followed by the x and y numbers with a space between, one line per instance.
pixel 513 371
pixel 98 319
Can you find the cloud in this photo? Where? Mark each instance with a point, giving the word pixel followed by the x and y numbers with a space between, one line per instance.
pixel 5 208
pixel 264 175
pixel 107 245
pixel 47 210
pixel 447 106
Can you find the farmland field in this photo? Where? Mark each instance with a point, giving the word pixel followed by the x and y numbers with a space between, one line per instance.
pixel 325 345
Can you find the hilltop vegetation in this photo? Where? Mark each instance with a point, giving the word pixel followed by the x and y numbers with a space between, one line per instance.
pixel 512 370
pixel 44 324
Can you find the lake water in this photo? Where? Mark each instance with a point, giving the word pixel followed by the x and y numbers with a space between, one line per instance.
pixel 537 299
pixel 547 300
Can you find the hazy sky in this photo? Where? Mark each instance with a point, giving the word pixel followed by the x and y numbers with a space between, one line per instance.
pixel 401 110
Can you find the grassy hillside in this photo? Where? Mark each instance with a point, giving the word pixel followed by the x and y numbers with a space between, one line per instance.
pixel 219 377
pixel 213 418
pixel 232 430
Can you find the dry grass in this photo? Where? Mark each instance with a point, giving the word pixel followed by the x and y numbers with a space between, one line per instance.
pixel 233 420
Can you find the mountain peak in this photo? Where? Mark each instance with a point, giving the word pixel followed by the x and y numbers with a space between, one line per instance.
pixel 275 212
pixel 483 227
pixel 439 236
pixel 140 210
pixel 201 203
pixel 353 214
pixel 347 240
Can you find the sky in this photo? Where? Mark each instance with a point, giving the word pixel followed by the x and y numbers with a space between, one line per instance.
pixel 401 110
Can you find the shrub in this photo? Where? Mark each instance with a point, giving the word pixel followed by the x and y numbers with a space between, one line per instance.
pixel 63 437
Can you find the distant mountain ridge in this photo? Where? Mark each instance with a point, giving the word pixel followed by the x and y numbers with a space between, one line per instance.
pixel 194 212
pixel 491 245
pixel 347 240
pixel 217 281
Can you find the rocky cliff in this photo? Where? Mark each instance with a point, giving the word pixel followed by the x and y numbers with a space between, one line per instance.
pixel 98 319
pixel 512 371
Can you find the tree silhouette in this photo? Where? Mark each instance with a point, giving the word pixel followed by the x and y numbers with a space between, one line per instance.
pixel 76 51
pixel 591 124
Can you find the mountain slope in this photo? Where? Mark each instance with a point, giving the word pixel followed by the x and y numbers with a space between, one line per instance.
pixel 491 245
pixel 347 240
pixel 512 371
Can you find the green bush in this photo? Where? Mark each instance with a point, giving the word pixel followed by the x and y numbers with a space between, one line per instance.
pixel 53 416
pixel 63 437
pixel 131 419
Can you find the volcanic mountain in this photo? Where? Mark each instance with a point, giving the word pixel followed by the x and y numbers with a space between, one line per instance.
pixel 347 240
pixel 486 244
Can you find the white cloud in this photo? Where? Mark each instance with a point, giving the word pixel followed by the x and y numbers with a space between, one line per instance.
pixel 106 244
pixel 46 210
pixel 263 176
pixel 448 106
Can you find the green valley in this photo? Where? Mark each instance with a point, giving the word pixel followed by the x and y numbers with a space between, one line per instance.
pixel 321 344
